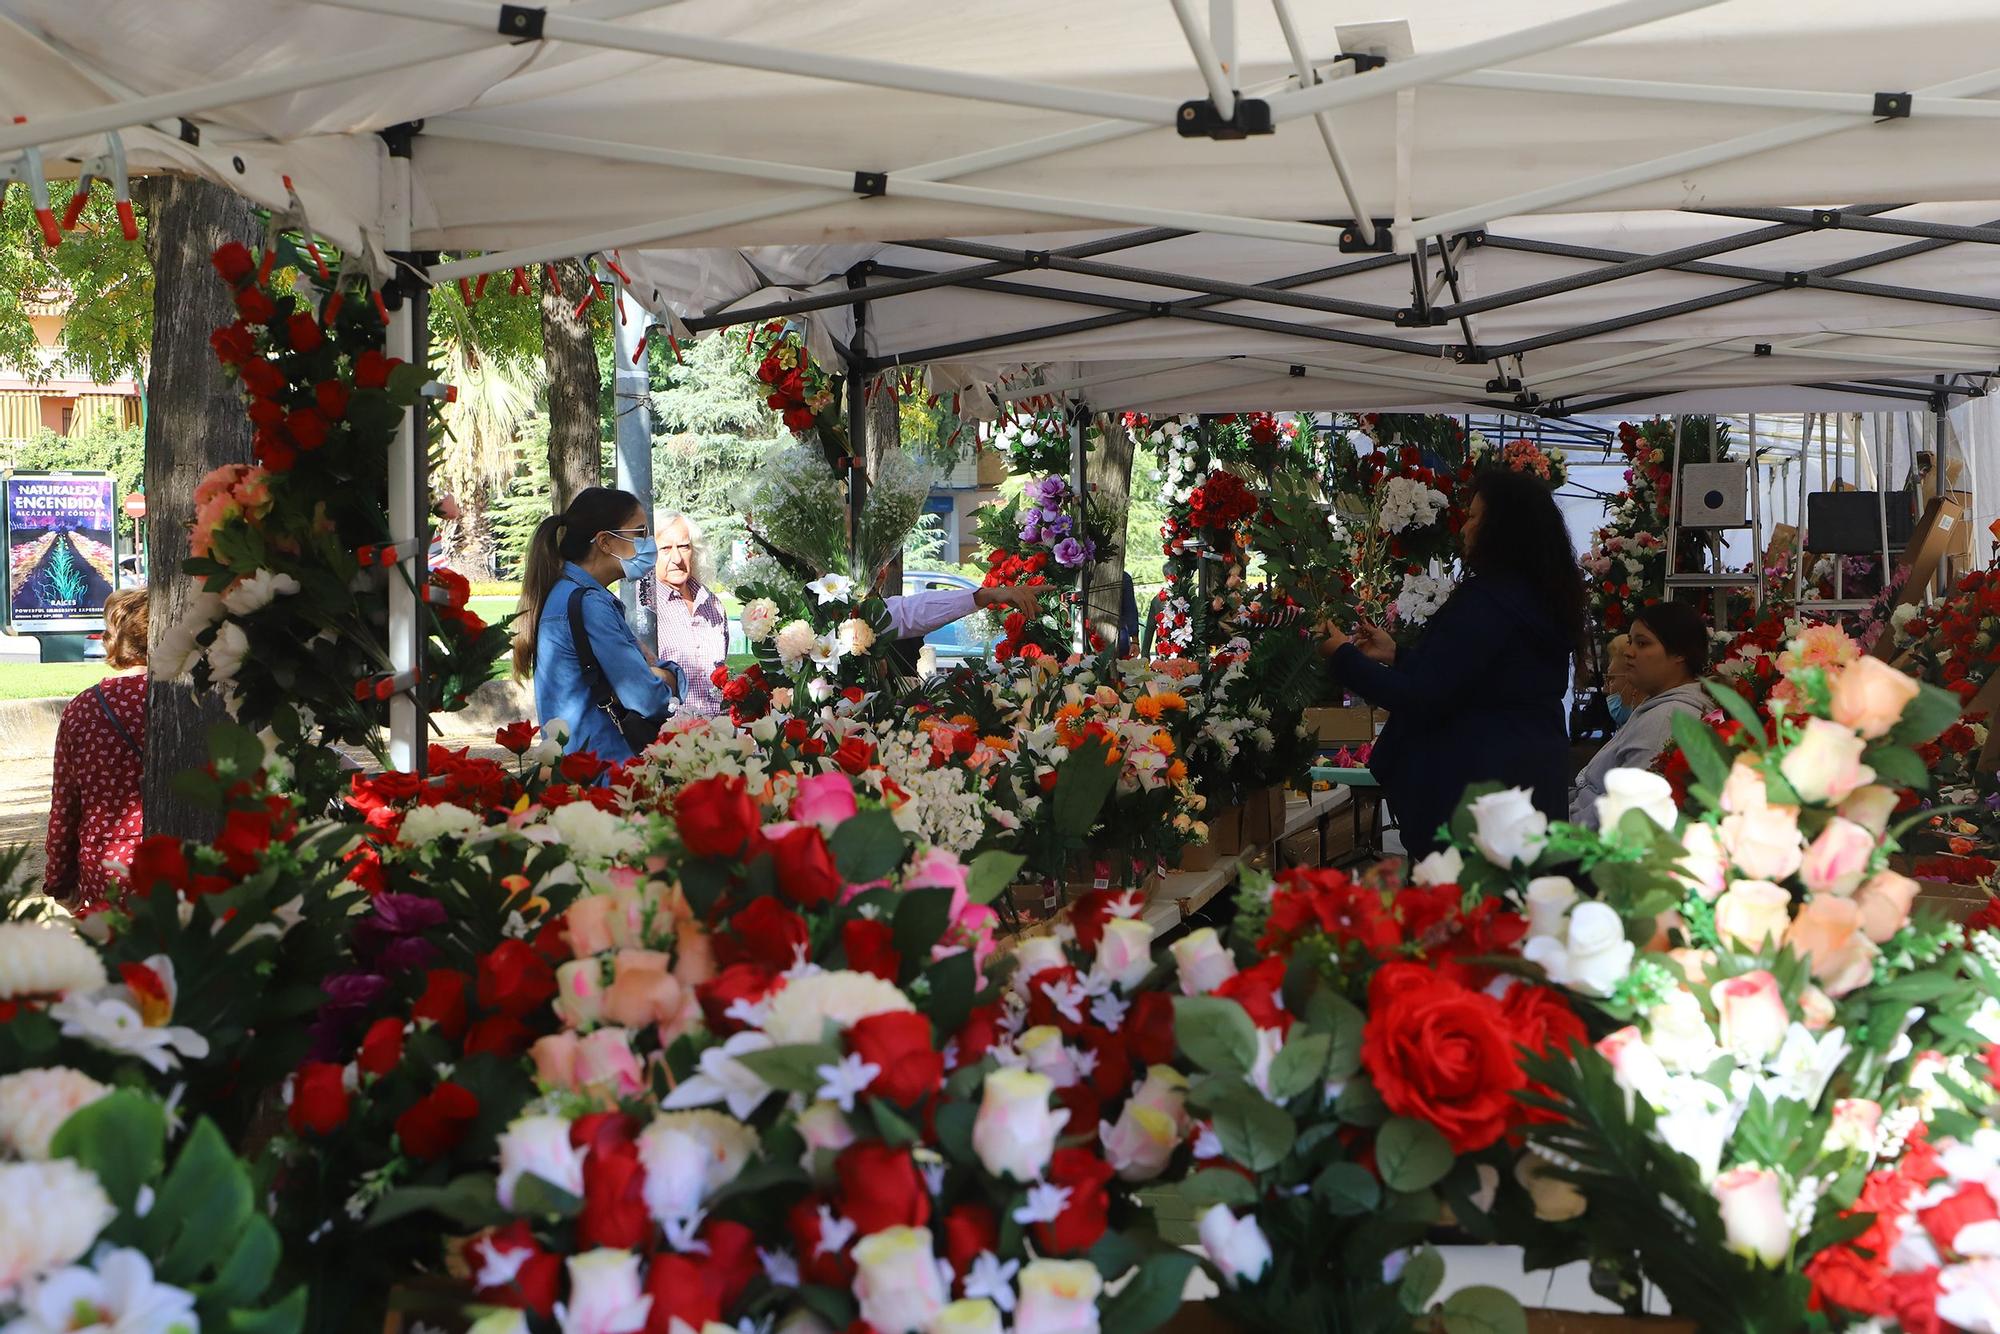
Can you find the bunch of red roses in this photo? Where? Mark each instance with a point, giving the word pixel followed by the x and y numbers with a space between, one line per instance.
pixel 796 389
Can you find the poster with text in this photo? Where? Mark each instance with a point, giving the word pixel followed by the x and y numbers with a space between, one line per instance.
pixel 62 558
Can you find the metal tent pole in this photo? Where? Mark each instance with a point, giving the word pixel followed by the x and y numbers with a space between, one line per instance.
pixel 1080 486
pixel 408 483
pixel 632 406
pixel 857 431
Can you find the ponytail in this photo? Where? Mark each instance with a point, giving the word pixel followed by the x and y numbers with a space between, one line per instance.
pixel 559 539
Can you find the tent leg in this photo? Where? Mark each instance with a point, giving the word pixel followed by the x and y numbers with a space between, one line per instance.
pixel 857 430
pixel 408 482
pixel 1079 421
pixel 633 430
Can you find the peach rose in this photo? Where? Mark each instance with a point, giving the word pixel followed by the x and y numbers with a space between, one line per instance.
pixel 1827 934
pixel 1744 789
pixel 1694 964
pixel 1869 696
pixel 1815 1008
pixel 694 954
pixel 1824 764
pixel 643 992
pixel 1752 1014
pixel 1763 844
pixel 1885 904
pixel 580 993
pixel 605 1060
pixel 555 1060
pixel 1703 866
pixel 1854 1123
pixel 1870 807
pixel 1837 861
pixel 1752 914
pixel 1754 1219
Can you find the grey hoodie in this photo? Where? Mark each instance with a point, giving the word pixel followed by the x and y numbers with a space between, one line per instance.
pixel 1635 745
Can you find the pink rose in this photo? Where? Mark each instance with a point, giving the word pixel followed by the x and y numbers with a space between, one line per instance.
pixel 1853 1126
pixel 826 800
pixel 1885 904
pixel 1752 1014
pixel 936 869
pixel 694 954
pixel 1752 914
pixel 580 993
pixel 1754 1221
pixel 555 1060
pixel 1744 789
pixel 1837 861
pixel 1824 764
pixel 605 1060
pixel 1816 1011
pixel 588 925
pixel 643 992
pixel 1827 933
pixel 1764 844
pixel 1869 697
pixel 1870 807
pixel 1636 1066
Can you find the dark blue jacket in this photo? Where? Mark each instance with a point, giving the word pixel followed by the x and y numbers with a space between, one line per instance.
pixel 1478 697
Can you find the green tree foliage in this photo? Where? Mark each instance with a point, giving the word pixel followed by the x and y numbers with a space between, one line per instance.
pixel 712 431
pixel 96 280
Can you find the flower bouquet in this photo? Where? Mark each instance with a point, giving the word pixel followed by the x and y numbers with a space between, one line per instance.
pixel 1526 456
pixel 804 396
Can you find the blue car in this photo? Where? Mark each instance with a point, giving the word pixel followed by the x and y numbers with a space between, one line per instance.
pixel 968 640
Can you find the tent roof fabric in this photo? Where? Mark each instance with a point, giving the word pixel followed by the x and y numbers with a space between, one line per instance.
pixel 803 136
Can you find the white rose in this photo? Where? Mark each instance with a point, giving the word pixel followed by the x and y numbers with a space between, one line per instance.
pixel 425 825
pixel 1636 790
pixel 688 1156
pixel 1548 901
pixel 1124 952
pixel 1034 955
pixel 35 1103
pixel 1236 1246
pixel 604 1294
pixel 975 1315
pixel 800 1011
pixel 54 1212
pixel 1870 807
pixel 255 592
pixel 1015 1129
pixel 819 690
pixel 856 636
pixel 1165 1090
pixel 1703 866
pixel 1202 962
pixel 1142 1142
pixel 1058 1297
pixel 1634 1064
pixel 1594 956
pixel 758 619
pixel 538 1146
pixel 1442 867
pixel 1509 830
pixel 1754 1218
pixel 174 655
pixel 226 654
pixel 795 641
pixel 1680 1035
pixel 896 1280
pixel 1824 765
pixel 594 835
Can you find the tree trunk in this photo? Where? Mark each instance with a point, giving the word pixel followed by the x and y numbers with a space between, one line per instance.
pixel 1108 471
pixel 576 433
pixel 885 437
pixel 194 423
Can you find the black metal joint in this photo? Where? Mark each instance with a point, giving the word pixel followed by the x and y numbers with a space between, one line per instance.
pixel 871 184
pixel 407 276
pixel 1363 62
pixel 1797 279
pixel 1527 399
pixel 1940 403
pixel 400 137
pixel 190 132
pixel 1505 384
pixel 1198 119
pixel 522 22
pixel 1761 350
pixel 1469 354
pixel 1892 106
pixel 1159 309
pixel 1404 318
pixel 1352 244
pixel 1038 259
pixel 1297 372
pixel 1826 217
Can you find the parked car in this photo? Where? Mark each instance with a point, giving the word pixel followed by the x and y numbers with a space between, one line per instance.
pixel 970 639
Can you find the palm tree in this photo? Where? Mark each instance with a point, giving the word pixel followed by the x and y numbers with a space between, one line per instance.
pixel 499 386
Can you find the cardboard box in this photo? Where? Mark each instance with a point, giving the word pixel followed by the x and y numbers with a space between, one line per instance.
pixel 1197 857
pixel 1933 535
pixel 1225 830
pixel 992 467
pixel 1300 849
pixel 1351 725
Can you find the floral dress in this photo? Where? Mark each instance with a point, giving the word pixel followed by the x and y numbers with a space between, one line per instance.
pixel 94 814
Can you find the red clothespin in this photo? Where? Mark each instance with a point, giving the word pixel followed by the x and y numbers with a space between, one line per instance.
pixel 381 308
pixel 611 263
pixel 295 217
pixel 675 344
pixel 465 291
pixel 383 687
pixel 479 288
pixel 28 168
pixel 106 166
pixel 552 279
pixel 520 286
pixel 447 393
pixel 639 352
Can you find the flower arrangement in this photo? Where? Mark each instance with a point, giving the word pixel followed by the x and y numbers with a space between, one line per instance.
pixel 1952 642
pixel 1522 456
pixel 803 395
pixel 1037 443
pixel 1205 535
pixel 291 626
pixel 1046 532
pixel 1626 565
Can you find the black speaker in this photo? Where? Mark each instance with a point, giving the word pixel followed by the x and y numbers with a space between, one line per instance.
pixel 1849 523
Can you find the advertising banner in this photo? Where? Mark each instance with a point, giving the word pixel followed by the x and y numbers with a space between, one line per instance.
pixel 62 556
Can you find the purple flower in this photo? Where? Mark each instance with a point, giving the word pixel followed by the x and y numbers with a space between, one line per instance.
pixel 1073 553
pixel 408 954
pixel 353 991
pixel 1055 527
pixel 407 914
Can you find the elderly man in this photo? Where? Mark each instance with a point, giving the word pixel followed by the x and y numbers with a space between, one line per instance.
pixel 694 631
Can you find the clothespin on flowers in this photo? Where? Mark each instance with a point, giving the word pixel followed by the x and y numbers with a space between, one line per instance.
pixel 384 686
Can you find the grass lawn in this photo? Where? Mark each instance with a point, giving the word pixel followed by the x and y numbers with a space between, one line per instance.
pixel 43 680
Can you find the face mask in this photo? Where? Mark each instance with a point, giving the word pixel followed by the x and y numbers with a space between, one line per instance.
pixel 645 555
pixel 1620 710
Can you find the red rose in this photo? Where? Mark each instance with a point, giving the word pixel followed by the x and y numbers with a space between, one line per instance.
pixel 1083 1219
pixel 234 262
pixel 745 982
pixel 614 1197
pixel 436 1122
pixel 798 419
pixel 308 427
pixel 245 835
pixel 502 1034
pixel 898 1044
pixel 382 1048
pixel 880 1188
pixel 980 1033
pixel 1944 1220
pixel 233 344
pixel 266 413
pixel 443 1002
pixel 680 1298
pixel 806 873
pixel 1440 1053
pixel 303 332
pixel 1542 1021
pixel 1149 1028
pixel 331 395
pixel 515 738
pixel 160 859
pixel 536 1278
pixel 871 948
pixel 969 1229
pixel 371 370
pixel 716 816
pixel 581 766
pixel 770 934
pixel 1089 914
pixel 319 1098
pixel 830 1267
pixel 515 980
pixel 1256 990
pixel 855 754
pixel 254 306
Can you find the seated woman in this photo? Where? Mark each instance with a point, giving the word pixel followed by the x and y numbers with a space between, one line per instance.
pixel 1667 655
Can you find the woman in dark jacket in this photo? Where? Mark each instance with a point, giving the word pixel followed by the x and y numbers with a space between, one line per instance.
pixel 1479 697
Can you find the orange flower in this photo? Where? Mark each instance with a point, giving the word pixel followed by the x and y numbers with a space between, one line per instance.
pixel 1163 743
pixel 1150 707
pixel 997 742
pixel 1177 772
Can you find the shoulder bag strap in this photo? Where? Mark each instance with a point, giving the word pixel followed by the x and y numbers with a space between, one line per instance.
pixel 586 656
pixel 124 733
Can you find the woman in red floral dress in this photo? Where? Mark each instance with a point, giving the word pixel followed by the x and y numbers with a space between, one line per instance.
pixel 94 815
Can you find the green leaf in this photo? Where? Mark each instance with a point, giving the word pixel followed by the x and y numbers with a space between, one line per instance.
pixel 1300 1065
pixel 121 1137
pixel 203 1206
pixel 990 873
pixel 1411 1154
pixel 1900 766
pixel 287 1317
pixel 1212 1186
pixel 1933 710
pixel 1083 783
pixel 892 1125
pixel 1422 1275
pixel 1483 1310
pixel 537 1198
pixel 954 1130
pixel 1347 1189
pixel 950 1001
pixel 1359 1104
pixel 793 1068
pixel 1216 1033
pixel 1736 707
pixel 1151 1297
pixel 921 919
pixel 242 1278
pixel 867 846
pixel 467 1201
pixel 1254 1132
pixel 1344 1055
pixel 1703 749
